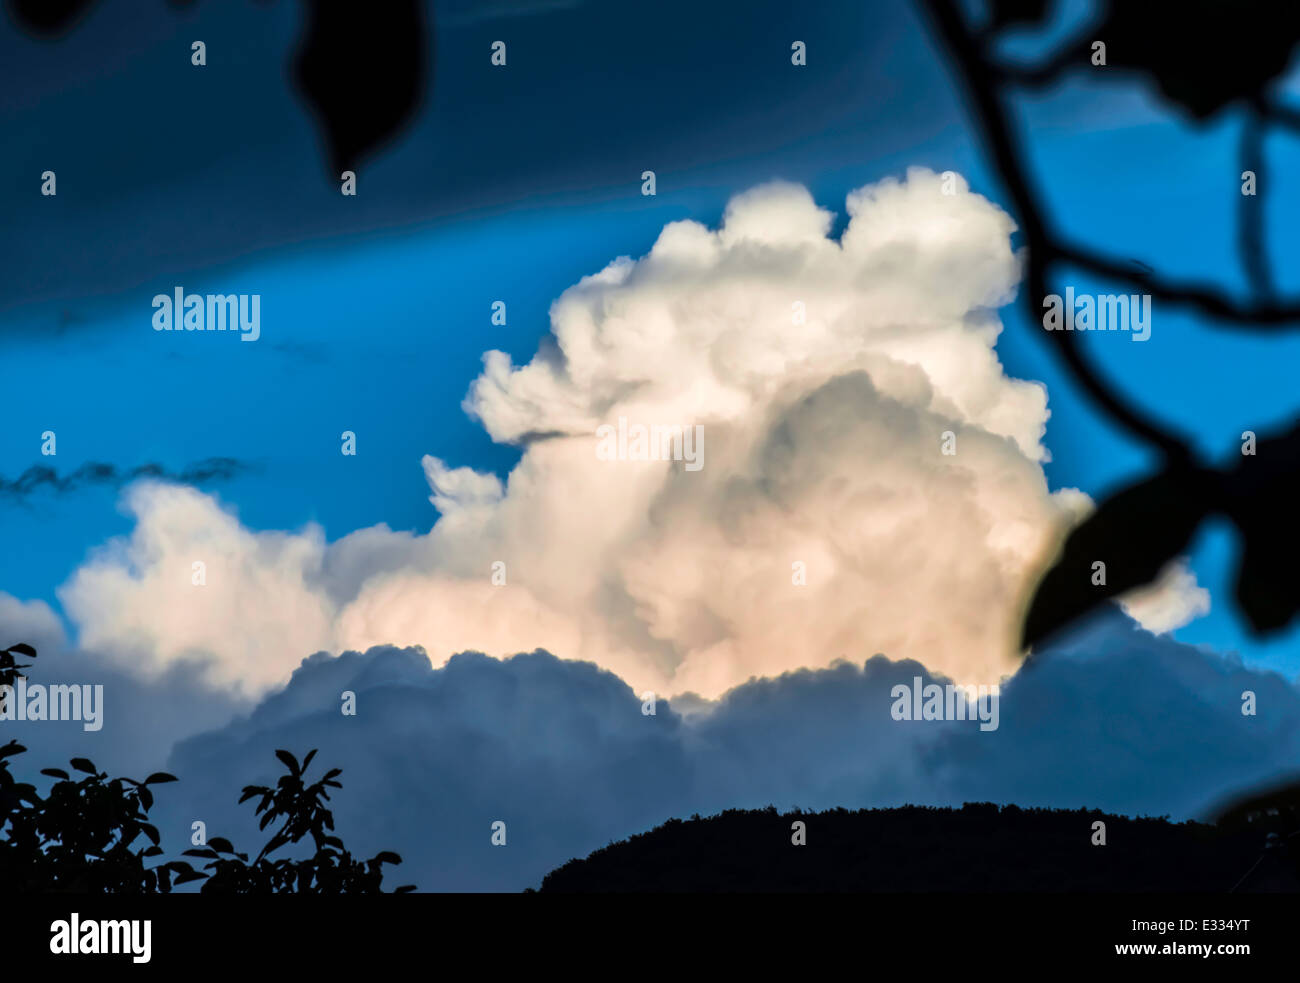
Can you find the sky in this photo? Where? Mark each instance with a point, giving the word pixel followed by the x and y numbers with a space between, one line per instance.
pixel 523 184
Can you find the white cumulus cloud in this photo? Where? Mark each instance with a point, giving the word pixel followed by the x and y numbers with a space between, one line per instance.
pixel 825 522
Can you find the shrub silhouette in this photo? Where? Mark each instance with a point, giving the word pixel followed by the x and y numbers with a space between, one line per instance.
pixel 88 835
pixel 301 807
pixel 92 834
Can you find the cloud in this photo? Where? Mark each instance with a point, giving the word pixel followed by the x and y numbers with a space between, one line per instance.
pixel 826 521
pixel 141 718
pixel 137 599
pixel 39 477
pixel 1171 602
pixel 561 752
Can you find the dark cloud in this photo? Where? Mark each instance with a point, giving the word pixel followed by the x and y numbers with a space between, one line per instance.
pixel 561 752
pixel 42 478
pixel 1111 718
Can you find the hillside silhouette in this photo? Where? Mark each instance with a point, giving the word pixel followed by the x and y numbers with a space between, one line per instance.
pixel 980 847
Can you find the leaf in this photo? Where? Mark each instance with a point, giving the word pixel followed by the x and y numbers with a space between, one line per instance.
pixel 153 851
pixel 307 760
pixel 150 831
pixel 204 852
pixel 1261 499
pixel 13 747
pixel 364 76
pixel 158 777
pixel 1165 40
pixel 23 649
pixel 56 773
pixel 290 762
pixel 84 764
pixel 1284 797
pixel 1135 532
pixel 221 844
pixel 387 857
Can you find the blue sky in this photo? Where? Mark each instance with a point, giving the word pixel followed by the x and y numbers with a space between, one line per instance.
pixel 512 187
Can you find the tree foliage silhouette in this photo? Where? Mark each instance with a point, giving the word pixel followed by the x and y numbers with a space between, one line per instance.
pixel 1165 46
pixel 301 812
pixel 1203 58
pixel 92 834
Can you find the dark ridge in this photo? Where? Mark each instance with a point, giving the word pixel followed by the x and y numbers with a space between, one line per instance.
pixel 977 848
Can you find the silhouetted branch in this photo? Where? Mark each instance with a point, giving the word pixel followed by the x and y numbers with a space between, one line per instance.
pixel 1263 316
pixel 1040 244
pixel 983 76
pixel 1250 208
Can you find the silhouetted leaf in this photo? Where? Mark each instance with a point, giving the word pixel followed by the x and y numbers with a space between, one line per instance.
pixel 84 764
pixel 364 76
pixel 1166 40
pixel 221 844
pixel 290 762
pixel 1135 533
pixel 158 777
pixel 1263 491
pixel 1284 797
pixel 56 773
pixel 23 649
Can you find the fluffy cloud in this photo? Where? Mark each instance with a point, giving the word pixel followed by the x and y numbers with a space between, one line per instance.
pixel 1171 602
pixel 140 598
pixel 823 373
pixel 141 717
